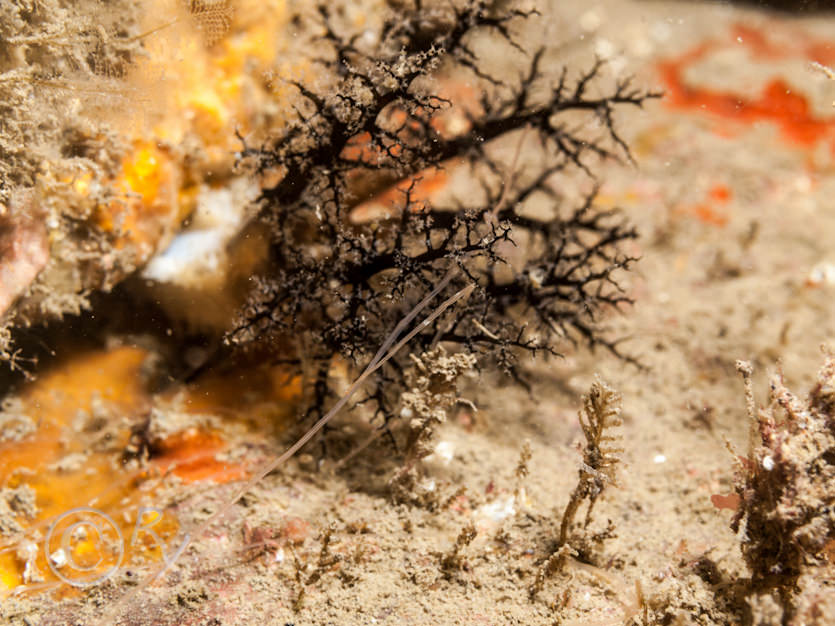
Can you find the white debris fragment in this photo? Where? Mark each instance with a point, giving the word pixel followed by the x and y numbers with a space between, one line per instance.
pixel 444 452
pixel 822 274
pixel 198 254
pixel 659 458
pixel 768 464
pixel 827 71
pixel 495 512
pixel 27 552
pixel 428 485
pixel 58 558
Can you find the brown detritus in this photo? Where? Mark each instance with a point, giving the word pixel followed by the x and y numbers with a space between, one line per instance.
pixel 326 562
pixel 552 565
pixel 9 526
pixel 454 561
pixel 702 417
pixel 682 595
pixel 191 595
pixel 786 513
pixel 16 505
pixel 630 598
pixel 522 471
pixel 503 539
pixel 456 495
pixel 21 500
pixel 301 591
pixel 15 425
pixel 295 530
pixel 641 601
pixel 327 559
pixel 258 540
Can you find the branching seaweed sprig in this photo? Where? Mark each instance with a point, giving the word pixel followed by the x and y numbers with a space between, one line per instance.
pixel 600 413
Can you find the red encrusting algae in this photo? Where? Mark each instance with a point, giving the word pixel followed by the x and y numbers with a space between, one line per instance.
pixel 778 102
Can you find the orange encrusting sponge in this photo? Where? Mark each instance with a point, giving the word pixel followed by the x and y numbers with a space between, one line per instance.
pixel 83 410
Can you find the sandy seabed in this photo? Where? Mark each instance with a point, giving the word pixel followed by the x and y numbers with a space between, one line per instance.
pixel 731 191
